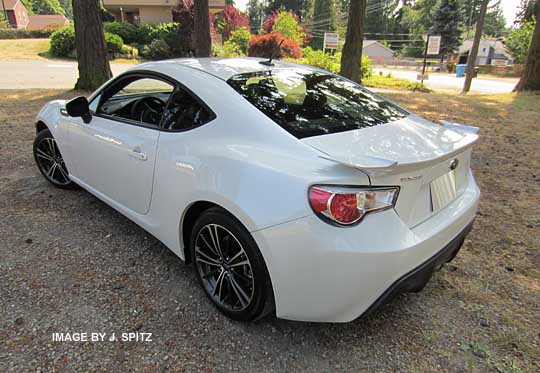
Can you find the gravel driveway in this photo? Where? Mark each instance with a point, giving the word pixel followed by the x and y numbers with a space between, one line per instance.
pixel 72 264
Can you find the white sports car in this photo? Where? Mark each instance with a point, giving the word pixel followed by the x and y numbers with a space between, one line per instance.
pixel 289 188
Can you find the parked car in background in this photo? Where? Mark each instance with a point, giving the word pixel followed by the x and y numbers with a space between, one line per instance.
pixel 289 188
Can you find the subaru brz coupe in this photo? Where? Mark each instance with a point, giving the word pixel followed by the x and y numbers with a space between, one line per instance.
pixel 291 189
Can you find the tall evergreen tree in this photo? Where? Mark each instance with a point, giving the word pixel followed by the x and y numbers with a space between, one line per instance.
pixel 201 22
pixel 351 55
pixel 299 7
pixel 525 11
pixel 495 23
pixel 256 11
pixel 323 19
pixel 416 19
pixel 470 9
pixel 47 7
pixel 447 23
pixel 471 61
pixel 381 18
pixel 530 79
pixel 66 4
pixel 93 63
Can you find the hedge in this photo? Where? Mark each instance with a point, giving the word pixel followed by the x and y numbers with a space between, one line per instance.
pixel 10 33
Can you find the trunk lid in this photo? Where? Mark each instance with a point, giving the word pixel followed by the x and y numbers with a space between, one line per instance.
pixel 412 153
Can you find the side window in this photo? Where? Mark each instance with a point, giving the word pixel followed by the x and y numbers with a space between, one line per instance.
pixel 137 99
pixel 184 112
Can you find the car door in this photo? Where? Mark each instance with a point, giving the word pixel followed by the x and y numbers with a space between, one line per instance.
pixel 115 152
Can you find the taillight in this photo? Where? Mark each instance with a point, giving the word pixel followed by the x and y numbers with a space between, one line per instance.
pixel 348 205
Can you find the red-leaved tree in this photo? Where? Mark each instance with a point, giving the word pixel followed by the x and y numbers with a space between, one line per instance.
pixel 267 46
pixel 233 19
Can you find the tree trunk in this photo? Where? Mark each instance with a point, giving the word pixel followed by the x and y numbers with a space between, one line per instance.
pixel 94 68
pixel 471 61
pixel 203 43
pixel 530 79
pixel 351 56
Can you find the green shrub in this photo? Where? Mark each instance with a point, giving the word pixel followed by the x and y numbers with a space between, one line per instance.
pixel 128 32
pixel 9 33
pixel 366 70
pixel 240 37
pixel 330 62
pixel 166 32
pixel 380 81
pixel 63 41
pixel 231 49
pixel 157 50
pixel 114 43
pixel 319 59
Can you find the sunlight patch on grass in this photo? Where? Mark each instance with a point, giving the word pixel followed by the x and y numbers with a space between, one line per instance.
pixel 24 49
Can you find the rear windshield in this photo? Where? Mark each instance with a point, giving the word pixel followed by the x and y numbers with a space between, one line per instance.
pixel 308 103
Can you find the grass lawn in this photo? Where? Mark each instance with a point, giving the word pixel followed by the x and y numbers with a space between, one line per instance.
pixel 479 313
pixel 24 49
pixel 35 49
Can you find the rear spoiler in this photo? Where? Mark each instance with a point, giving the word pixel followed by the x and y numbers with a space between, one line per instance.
pixel 461 128
pixel 381 166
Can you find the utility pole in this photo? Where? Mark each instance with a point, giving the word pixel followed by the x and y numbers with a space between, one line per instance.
pixel 471 60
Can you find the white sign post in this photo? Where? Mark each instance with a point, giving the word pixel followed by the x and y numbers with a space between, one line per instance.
pixel 331 40
pixel 434 45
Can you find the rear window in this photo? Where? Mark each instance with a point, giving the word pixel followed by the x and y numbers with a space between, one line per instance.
pixel 308 103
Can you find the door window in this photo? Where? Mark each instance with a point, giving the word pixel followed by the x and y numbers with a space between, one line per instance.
pixel 137 99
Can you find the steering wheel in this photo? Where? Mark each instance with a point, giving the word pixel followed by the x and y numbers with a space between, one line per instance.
pixel 148 109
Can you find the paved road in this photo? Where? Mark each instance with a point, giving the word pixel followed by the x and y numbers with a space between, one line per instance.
pixel 43 74
pixel 63 75
pixel 451 82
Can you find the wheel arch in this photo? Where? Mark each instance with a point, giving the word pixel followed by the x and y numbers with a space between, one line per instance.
pixel 191 214
pixel 41 126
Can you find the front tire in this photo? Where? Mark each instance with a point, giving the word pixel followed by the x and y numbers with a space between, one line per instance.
pixel 50 162
pixel 230 267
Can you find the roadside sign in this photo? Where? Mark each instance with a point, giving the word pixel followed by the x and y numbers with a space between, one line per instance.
pixel 434 45
pixel 422 77
pixel 331 40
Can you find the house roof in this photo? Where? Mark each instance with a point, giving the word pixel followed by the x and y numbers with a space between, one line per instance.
pixel 9 4
pixel 42 21
pixel 368 43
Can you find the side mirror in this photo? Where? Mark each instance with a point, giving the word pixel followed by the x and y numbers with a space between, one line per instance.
pixel 78 107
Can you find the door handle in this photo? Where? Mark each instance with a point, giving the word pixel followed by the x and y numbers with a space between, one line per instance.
pixel 138 154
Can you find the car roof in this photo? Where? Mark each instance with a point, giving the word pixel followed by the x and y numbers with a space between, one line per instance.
pixel 224 68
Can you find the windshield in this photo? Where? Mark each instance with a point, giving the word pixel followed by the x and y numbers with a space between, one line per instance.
pixel 310 103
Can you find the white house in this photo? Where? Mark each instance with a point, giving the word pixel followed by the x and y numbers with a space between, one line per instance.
pixel 490 52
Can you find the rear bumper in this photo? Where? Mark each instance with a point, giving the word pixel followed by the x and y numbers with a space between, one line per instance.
pixel 324 273
pixel 416 279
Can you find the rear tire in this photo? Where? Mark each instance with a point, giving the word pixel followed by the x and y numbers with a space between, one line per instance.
pixel 50 162
pixel 230 267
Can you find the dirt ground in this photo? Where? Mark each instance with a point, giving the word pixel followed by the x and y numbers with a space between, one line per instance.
pixel 70 263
